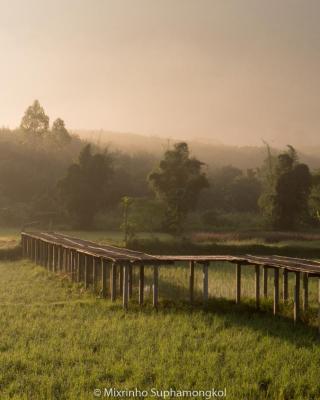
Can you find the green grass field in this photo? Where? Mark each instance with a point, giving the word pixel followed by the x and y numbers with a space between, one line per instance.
pixel 59 341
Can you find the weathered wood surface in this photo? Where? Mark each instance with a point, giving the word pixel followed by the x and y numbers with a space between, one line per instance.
pixel 119 255
pixel 89 262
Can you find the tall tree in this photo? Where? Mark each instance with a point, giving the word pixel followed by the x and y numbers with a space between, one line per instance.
pixel 285 198
pixel 85 188
pixel 35 120
pixel 59 132
pixel 178 181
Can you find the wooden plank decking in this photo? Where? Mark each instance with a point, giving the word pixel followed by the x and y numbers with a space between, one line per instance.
pixel 87 261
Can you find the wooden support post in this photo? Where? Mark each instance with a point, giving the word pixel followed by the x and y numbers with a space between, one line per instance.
pixel 296 311
pixel 121 272
pixel 36 251
pixel 67 261
pixel 64 260
pixel 305 292
pixel 78 267
pixel 276 292
pixel 40 252
pixel 125 294
pixel 257 285
pixel 60 256
pixel 49 258
pixel 104 277
pixel 285 285
pixel 72 265
pixel 265 281
pixel 238 283
pixel 141 284
pixel 191 281
pixel 113 281
pixel 130 282
pixel 22 246
pixel 86 272
pixel 94 273
pixel 155 286
pixel 205 282
pixel 54 254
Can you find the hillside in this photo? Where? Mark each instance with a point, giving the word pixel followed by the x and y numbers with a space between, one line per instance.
pixel 211 152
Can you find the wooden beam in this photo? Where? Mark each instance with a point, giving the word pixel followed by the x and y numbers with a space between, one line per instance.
pixel 155 286
pixel 285 285
pixel 141 284
pixel 113 282
pixel 257 285
pixel 296 311
pixel 104 277
pixel 125 288
pixel 305 302
pixel 265 281
pixel 276 292
pixel 205 282
pixel 191 281
pixel 238 283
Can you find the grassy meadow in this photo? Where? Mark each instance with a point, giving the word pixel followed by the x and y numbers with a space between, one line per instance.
pixel 59 341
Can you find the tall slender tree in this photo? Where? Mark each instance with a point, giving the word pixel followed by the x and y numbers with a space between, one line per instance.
pixel 178 181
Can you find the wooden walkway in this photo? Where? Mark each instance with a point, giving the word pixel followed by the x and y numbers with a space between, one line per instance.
pixel 89 262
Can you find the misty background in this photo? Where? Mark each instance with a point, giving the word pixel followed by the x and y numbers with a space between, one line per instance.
pixel 230 72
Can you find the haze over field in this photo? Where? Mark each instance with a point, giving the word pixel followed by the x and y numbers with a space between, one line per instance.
pixel 229 71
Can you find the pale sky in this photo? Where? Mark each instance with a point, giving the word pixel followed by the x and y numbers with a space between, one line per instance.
pixel 234 71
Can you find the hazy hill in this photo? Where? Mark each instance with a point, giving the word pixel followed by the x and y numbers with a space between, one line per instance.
pixel 211 152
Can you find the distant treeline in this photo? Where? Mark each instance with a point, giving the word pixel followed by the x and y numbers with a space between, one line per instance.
pixel 51 178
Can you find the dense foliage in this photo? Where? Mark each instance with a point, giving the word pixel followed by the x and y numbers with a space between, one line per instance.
pixel 49 176
pixel 178 181
pixel 285 198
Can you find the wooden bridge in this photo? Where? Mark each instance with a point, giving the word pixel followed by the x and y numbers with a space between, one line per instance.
pixel 89 262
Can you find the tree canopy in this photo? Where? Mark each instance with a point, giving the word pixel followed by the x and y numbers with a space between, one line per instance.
pixel 85 188
pixel 286 194
pixel 178 182
pixel 35 119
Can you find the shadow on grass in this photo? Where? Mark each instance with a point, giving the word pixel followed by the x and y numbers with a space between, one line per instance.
pixel 245 314
pixel 239 315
